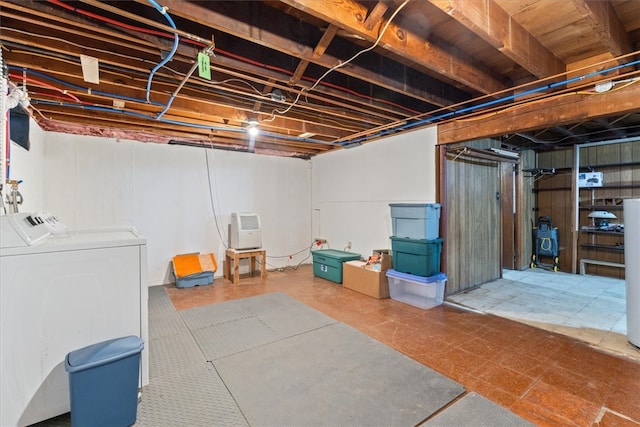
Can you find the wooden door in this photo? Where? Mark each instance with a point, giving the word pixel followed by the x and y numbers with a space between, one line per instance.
pixel 472 222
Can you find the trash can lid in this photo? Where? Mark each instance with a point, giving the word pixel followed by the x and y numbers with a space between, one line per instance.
pixel 103 353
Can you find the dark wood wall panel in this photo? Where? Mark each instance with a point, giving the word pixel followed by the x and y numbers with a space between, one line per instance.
pixel 554 200
pixel 620 166
pixel 621 179
pixel 473 220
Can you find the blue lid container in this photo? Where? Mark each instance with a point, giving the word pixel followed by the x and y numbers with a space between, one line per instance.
pixel 431 279
pixel 103 353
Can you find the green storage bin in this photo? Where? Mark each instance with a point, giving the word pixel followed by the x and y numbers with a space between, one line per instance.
pixel 419 257
pixel 327 263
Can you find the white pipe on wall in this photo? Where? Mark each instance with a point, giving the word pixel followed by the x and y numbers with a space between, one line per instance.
pixel 4 123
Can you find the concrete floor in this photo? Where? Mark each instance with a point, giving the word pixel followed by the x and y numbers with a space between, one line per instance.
pixel 546 377
pixel 589 308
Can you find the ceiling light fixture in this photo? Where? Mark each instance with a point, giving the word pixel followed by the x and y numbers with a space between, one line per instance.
pixel 277 95
pixel 252 128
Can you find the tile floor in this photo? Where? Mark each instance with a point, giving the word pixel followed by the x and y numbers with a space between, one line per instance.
pixel 546 377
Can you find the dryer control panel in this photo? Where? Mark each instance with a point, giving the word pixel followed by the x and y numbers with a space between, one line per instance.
pixel 27 229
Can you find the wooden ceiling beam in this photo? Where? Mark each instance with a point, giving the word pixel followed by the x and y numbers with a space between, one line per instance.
pixel 605 22
pixel 350 15
pixel 289 45
pixel 490 22
pixel 41 15
pixel 134 87
pixel 376 14
pixel 567 108
pixel 318 51
pixel 150 45
pixel 113 121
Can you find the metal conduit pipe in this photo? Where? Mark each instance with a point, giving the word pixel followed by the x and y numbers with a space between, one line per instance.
pixel 207 51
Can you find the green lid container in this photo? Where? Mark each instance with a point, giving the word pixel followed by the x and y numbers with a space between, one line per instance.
pixel 327 263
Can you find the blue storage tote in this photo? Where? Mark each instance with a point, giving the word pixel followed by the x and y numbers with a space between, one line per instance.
pixel 416 220
pixel 194 269
pixel 422 292
pixel 103 382
pixel 198 279
pixel 416 256
pixel 327 263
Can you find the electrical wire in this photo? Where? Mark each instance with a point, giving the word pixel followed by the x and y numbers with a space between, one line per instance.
pixel 235 56
pixel 182 83
pixel 70 43
pixel 221 235
pixel 48 86
pixel 340 65
pixel 82 88
pixel 114 71
pixel 178 122
pixel 138 100
pixel 403 125
pixel 451 114
pixel 216 215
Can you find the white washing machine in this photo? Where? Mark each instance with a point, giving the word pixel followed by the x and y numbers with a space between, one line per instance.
pixel 61 290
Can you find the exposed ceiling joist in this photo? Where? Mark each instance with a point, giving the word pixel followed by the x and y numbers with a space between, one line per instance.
pixel 319 76
pixel 350 16
pixel 490 22
pixel 571 107
pixel 604 21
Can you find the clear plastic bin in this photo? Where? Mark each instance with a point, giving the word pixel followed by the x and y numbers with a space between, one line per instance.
pixel 422 292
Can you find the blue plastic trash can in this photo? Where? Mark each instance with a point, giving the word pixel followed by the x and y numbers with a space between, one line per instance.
pixel 103 382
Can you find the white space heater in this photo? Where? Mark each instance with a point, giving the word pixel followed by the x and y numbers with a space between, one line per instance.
pixel 244 231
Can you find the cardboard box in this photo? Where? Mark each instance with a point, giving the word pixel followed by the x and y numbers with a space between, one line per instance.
pixel 361 279
pixel 386 261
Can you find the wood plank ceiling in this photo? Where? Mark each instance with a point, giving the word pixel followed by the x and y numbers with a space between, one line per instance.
pixel 316 76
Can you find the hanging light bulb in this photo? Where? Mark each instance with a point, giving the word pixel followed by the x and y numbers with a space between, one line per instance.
pixel 253 129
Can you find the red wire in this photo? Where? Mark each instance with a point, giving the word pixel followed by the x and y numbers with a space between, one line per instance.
pixel 47 85
pixel 50 95
pixel 226 53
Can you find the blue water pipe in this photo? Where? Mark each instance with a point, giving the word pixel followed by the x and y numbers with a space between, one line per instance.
pixel 177 122
pixel 486 104
pixel 82 88
pixel 168 58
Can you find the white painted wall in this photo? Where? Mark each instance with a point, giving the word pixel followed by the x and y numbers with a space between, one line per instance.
pixel 28 166
pixel 352 188
pixel 164 191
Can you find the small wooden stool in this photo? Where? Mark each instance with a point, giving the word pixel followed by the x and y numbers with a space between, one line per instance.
pixel 236 255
